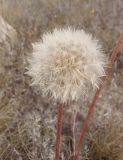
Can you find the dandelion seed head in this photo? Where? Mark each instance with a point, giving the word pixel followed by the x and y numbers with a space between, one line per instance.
pixel 66 63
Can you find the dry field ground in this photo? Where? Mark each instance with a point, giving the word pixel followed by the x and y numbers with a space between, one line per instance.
pixel 27 121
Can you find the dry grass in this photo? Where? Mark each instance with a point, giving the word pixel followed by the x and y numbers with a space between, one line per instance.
pixel 27 138
pixel 106 143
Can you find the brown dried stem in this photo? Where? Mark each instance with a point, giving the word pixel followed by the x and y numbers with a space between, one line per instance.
pixel 59 129
pixel 92 105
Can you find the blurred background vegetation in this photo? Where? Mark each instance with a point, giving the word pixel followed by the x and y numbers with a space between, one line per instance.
pixel 19 103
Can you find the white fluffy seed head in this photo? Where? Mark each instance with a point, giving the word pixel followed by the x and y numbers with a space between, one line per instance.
pixel 66 63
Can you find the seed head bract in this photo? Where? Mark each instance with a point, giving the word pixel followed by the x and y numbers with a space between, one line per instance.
pixel 65 63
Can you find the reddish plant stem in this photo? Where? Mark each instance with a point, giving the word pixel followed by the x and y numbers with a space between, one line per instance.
pixel 92 105
pixel 59 129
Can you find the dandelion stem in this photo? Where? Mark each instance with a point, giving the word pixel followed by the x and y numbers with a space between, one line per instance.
pixel 73 130
pixel 59 129
pixel 114 54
